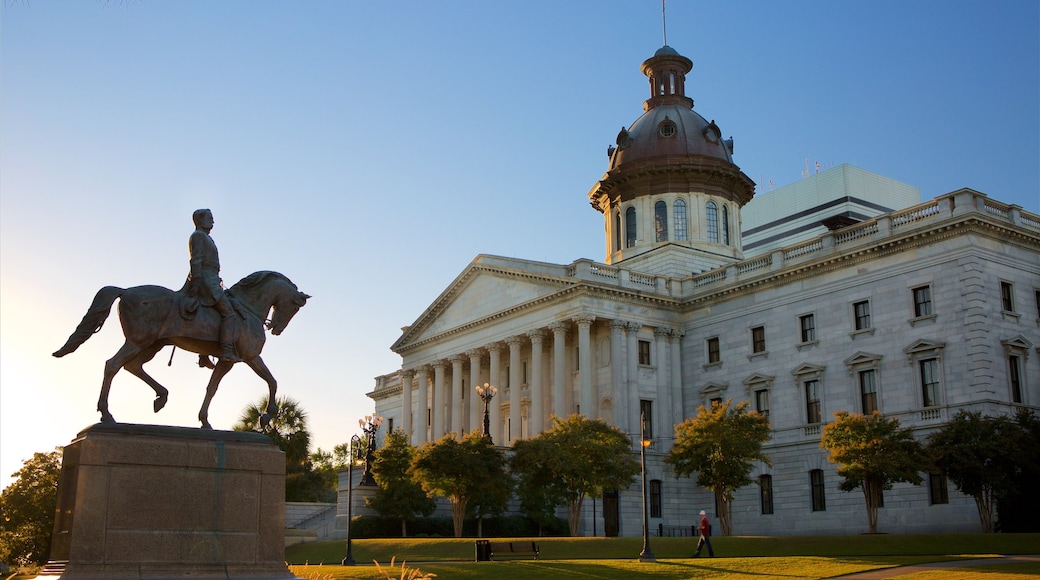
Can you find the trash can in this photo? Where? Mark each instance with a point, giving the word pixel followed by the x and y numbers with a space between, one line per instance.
pixel 483 549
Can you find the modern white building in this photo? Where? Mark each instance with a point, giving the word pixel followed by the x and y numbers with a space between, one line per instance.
pixel 855 297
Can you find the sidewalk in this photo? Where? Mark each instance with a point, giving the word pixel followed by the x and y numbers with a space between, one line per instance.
pixel 904 570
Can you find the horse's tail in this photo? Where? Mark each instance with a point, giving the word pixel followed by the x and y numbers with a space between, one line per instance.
pixel 93 320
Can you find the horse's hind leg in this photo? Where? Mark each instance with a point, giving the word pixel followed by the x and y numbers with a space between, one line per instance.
pixel 221 369
pixel 136 368
pixel 258 366
pixel 125 354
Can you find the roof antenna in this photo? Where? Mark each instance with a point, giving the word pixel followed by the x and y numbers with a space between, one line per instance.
pixel 664 27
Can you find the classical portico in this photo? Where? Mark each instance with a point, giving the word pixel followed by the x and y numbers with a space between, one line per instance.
pixel 585 363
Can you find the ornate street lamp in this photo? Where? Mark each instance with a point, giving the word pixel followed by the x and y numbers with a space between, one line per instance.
pixel 486 393
pixel 647 555
pixel 353 456
pixel 370 424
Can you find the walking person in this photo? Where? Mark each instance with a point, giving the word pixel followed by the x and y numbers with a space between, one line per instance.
pixel 705 530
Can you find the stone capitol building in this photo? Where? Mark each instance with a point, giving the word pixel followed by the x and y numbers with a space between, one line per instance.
pixel 842 291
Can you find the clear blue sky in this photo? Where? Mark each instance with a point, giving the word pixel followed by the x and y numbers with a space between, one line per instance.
pixel 369 150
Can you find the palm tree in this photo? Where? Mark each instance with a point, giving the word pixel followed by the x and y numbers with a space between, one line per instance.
pixel 288 428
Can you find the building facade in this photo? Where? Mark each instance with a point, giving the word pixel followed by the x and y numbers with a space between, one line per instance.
pixel 866 299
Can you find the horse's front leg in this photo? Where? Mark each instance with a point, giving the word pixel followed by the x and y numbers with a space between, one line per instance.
pixel 258 366
pixel 219 371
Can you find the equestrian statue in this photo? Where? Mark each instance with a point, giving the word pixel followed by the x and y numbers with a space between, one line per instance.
pixel 201 317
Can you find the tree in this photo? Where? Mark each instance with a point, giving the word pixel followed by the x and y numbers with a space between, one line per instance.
pixel 288 430
pixel 458 470
pixel 720 444
pixel 398 496
pixel 577 458
pixel 872 453
pixel 979 455
pixel 27 510
pixel 1018 510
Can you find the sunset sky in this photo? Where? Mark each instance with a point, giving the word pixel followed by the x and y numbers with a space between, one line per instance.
pixel 370 150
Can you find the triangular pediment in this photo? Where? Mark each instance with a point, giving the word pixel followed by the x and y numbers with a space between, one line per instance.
pixel 1018 342
pixel 862 358
pixel 807 369
pixel 758 378
pixel 488 288
pixel 923 345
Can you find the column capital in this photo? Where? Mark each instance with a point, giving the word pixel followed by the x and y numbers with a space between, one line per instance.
pixel 663 331
pixel 475 353
pixel 635 326
pixel 584 320
pixel 439 364
pixel 406 374
pixel 458 358
pixel 677 334
pixel 558 326
pixel 537 336
pixel 515 341
pixel 424 369
pixel 618 324
pixel 495 347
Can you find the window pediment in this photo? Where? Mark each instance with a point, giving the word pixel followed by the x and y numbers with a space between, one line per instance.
pixel 862 358
pixel 1016 343
pixel 805 369
pixel 923 347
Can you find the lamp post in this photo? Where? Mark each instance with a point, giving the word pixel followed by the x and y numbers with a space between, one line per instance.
pixel 354 454
pixel 647 555
pixel 486 393
pixel 370 424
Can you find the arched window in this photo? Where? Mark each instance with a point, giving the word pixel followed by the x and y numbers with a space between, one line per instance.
pixel 679 210
pixel 712 216
pixel 617 231
pixel 661 221
pixel 725 225
pixel 630 227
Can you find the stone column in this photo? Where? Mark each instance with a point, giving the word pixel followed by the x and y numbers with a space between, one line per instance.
pixel 676 378
pixel 406 403
pixel 437 405
pixel 495 379
pixel 422 417
pixel 589 400
pixel 536 414
pixel 476 406
pixel 559 392
pixel 618 377
pixel 515 377
pixel 633 377
pixel 663 406
pixel 458 397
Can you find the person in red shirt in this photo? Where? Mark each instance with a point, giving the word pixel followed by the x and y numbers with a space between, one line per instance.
pixel 705 530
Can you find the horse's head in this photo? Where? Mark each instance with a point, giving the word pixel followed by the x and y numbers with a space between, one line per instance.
pixel 285 307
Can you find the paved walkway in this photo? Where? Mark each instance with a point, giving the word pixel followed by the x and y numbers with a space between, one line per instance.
pixel 904 570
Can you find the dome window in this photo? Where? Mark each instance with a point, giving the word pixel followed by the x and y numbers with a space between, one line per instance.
pixel 667 128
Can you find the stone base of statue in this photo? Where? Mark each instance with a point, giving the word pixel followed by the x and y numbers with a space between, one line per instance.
pixel 151 502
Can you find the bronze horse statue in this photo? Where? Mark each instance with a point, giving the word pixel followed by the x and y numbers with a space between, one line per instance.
pixel 152 318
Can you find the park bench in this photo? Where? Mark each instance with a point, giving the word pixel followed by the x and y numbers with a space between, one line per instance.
pixel 507 549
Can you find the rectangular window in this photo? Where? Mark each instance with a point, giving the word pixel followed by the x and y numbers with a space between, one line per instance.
pixel 390 425
pixel 819 499
pixel 655 498
pixel 509 375
pixel 758 339
pixel 929 381
pixel 808 327
pixel 1015 378
pixel 937 488
pixel 646 412
pixel 868 391
pixel 715 401
pixel 1007 296
pixel 577 359
pixel 1038 304
pixel 644 352
pixel 861 310
pixel 762 402
pixel 713 350
pixel 812 401
pixel 922 301
pixel 523 371
pixel 765 490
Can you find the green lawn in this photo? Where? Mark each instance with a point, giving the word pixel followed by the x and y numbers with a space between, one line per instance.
pixel 761 558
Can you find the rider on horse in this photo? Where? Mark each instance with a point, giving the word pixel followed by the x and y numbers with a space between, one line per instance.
pixel 204 280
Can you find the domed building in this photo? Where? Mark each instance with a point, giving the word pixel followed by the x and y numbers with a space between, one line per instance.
pixel 857 296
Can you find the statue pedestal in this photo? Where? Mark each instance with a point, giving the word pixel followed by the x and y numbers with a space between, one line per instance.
pixel 151 502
